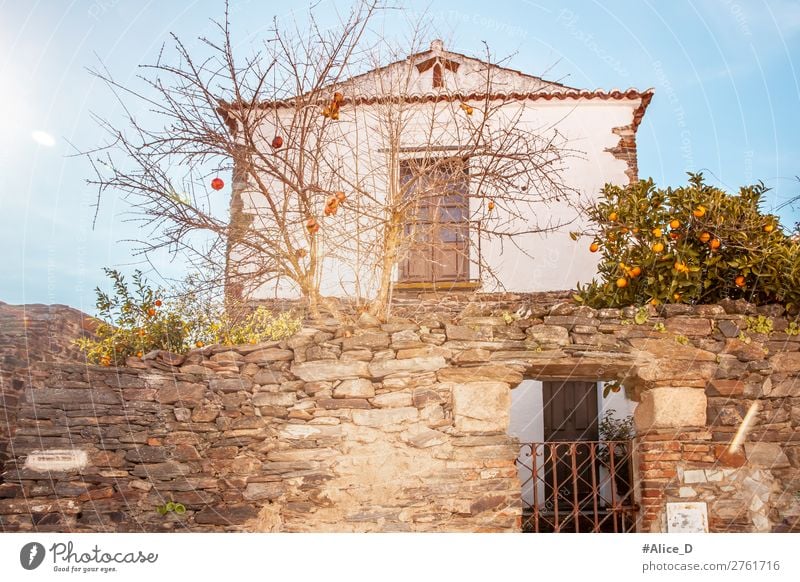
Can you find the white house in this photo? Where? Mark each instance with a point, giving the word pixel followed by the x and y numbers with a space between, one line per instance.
pixel 439 90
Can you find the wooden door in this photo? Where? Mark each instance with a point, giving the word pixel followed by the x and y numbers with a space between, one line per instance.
pixel 570 414
pixel 436 232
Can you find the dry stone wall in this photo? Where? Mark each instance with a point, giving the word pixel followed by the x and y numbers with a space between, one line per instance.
pixel 402 425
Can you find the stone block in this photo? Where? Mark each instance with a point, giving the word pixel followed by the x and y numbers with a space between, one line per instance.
pixel 274 399
pixel 481 406
pixel 765 454
pixel 548 335
pixel 670 407
pixel 368 339
pixel 331 370
pixel 354 388
pixel 393 400
pixel 384 417
pixel 186 392
pixel 227 515
pixel 269 355
pixel 230 384
pixel 484 373
pixel 786 362
pixel 262 491
pixel 410 366
pixel 688 326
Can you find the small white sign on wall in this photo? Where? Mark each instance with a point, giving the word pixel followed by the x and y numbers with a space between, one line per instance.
pixel 687 517
pixel 57 460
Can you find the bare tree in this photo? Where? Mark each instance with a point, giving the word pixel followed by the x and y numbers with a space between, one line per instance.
pixel 337 173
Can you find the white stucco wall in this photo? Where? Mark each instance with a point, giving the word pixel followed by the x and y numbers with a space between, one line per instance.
pixel 357 142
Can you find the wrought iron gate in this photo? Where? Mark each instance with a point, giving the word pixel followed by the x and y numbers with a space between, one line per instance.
pixel 577 486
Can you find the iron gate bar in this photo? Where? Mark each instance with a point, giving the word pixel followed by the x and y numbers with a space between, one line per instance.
pixel 600 502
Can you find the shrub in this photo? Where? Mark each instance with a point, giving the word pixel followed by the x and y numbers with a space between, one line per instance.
pixel 137 319
pixel 693 244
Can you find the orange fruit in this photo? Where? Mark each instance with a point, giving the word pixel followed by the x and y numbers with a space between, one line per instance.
pixel 674 235
pixel 622 282
pixel 151 312
pixel 657 232
pixel 676 296
pixel 139 354
pixel 714 244
pixel 654 301
pixel 594 247
pixel 612 217
pixel 158 302
pixel 624 230
pixel 636 271
pixel 769 227
pixel 704 237
pixel 739 281
pixel 699 212
pixel 199 344
pixel 490 206
pixel 658 247
pixel 674 223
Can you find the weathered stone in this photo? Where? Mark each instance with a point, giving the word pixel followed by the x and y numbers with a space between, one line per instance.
pixel 548 335
pixel 475 355
pixel 406 339
pixel 338 403
pixel 183 414
pixel 786 362
pixel 423 437
pixel 669 349
pixel 726 387
pixel 384 417
pixel 424 396
pixel 185 392
pixel 230 384
pixel 262 491
pixel 393 400
pixel 765 454
pixel 166 470
pixel 410 366
pixel 205 413
pixel 227 357
pixel 670 408
pixel 423 352
pixel 334 370
pixel 484 373
pixel 367 320
pixel 226 515
pixel 481 406
pixel 743 350
pixel 274 399
pixel 688 326
pixel 41 396
pixel 368 339
pixel 267 376
pixel 269 355
pixel 467 333
pixel 354 388
pixel 728 328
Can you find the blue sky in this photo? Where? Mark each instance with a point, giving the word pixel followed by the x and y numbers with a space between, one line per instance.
pixel 727 101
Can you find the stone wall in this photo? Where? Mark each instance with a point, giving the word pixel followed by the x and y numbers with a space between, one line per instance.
pixel 401 426
pixel 30 334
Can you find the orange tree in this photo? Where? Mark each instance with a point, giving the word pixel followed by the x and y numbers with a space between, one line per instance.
pixel 693 244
